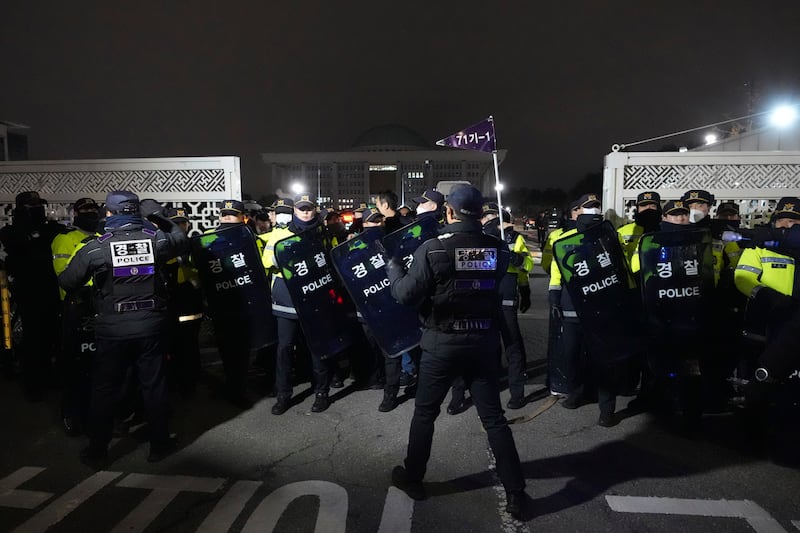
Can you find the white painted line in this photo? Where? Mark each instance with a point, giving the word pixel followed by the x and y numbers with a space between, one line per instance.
pixel 796 523
pixel 61 507
pixel 332 517
pixel 397 512
pixel 228 508
pixel 10 496
pixel 164 490
pixel 508 524
pixel 757 517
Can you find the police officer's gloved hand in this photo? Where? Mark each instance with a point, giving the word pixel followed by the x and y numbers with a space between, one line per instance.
pixel 554 297
pixel 524 298
pixel 517 259
pixel 394 269
pixel 769 300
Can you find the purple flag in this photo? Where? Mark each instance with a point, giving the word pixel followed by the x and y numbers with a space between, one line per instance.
pixel 479 136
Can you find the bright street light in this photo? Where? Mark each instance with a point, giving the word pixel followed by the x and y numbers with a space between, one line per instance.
pixel 783 116
pixel 711 138
pixel 498 187
pixel 297 187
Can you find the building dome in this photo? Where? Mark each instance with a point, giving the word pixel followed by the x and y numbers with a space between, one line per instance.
pixel 389 137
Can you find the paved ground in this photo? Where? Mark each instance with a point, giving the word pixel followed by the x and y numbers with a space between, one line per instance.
pixel 329 472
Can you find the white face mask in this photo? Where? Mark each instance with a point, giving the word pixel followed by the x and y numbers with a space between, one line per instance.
pixel 591 211
pixel 695 215
pixel 283 218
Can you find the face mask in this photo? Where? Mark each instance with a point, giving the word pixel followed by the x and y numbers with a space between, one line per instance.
pixel 87 221
pixel 421 209
pixel 586 221
pixel 695 215
pixel 591 211
pixel 648 219
pixel 492 227
pixel 283 218
pixel 34 216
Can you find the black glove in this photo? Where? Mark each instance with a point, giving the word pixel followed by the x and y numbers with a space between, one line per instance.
pixel 769 300
pixel 524 298
pixel 517 259
pixel 394 269
pixel 554 297
pixel 556 313
pixel 149 207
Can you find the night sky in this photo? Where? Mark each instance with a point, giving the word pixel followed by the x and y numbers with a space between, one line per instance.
pixel 564 80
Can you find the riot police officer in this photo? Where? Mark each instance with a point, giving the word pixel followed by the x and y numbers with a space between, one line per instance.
pixel 186 314
pixel 453 281
pixel 77 340
pixel 645 220
pixel 27 242
pixel 125 265
pixel 302 220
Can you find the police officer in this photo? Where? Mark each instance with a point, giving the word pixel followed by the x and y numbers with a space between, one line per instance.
pixel 303 220
pixel 125 265
pixel 600 373
pixel 186 314
pixel 234 347
pixel 77 342
pixel 453 281
pixel 430 204
pixel 34 287
pixel 699 203
pixel 386 202
pixel 645 220
pixel 767 277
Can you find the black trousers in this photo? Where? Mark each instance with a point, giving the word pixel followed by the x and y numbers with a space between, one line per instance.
pixel 288 332
pixel 78 347
pixel 147 356
pixel 514 349
pixel 477 363
pixel 586 370
pixel 234 350
pixel 184 347
pixel 40 331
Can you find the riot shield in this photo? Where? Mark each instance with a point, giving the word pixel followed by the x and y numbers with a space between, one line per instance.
pixel 595 274
pixel 326 315
pixel 361 267
pixel 402 243
pixel 677 281
pixel 235 284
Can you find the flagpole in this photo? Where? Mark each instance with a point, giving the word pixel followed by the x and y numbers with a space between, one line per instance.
pixel 497 188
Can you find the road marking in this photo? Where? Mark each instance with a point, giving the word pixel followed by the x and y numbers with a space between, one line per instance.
pixel 332 515
pixel 508 524
pixel 228 508
pixel 164 490
pixel 796 523
pixel 757 517
pixel 397 512
pixel 10 496
pixel 61 507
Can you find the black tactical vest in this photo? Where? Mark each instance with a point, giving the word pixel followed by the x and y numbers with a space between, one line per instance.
pixel 132 281
pixel 467 275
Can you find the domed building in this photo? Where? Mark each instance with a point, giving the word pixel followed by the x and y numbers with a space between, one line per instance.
pixel 387 157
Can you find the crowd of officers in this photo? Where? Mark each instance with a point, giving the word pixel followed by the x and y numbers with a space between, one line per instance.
pixel 129 295
pixel 118 286
pixel 753 288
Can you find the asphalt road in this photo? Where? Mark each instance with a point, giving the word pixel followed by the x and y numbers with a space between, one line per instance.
pixel 329 472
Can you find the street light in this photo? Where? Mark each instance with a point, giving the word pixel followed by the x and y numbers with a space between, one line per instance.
pixel 297 187
pixel 783 116
pixel 711 138
pixel 499 187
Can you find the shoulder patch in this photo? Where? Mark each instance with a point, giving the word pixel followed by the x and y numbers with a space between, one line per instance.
pixel 148 231
pixel 104 237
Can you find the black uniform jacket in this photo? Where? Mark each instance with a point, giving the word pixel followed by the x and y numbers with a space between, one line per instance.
pixel 91 259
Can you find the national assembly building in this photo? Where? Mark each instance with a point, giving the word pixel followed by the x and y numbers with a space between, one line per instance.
pixel 388 157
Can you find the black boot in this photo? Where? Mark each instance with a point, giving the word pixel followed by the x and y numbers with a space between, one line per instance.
pixel 389 402
pixel 321 402
pixel 281 405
